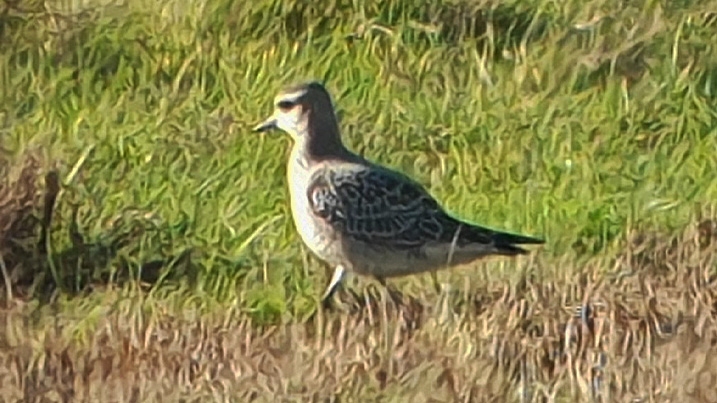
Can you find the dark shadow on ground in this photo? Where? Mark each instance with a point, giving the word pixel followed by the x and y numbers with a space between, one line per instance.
pixel 32 268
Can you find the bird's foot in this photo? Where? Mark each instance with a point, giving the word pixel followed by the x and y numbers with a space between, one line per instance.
pixel 334 284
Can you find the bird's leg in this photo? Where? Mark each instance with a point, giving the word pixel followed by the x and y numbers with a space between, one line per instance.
pixel 391 292
pixel 333 285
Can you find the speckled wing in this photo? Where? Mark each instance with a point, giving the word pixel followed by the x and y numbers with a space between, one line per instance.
pixel 380 207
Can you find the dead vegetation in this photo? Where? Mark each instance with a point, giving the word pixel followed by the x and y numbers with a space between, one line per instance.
pixel 645 332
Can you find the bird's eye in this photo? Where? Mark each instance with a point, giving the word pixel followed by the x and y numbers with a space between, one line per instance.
pixel 286 105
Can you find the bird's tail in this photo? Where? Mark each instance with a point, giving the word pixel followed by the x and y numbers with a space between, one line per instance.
pixel 506 243
pixel 499 242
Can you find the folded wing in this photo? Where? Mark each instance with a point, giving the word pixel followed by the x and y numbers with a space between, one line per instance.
pixel 382 207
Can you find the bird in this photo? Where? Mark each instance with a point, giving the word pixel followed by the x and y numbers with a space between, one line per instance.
pixel 360 217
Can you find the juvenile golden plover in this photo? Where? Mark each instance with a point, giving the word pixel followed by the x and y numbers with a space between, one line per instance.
pixel 360 217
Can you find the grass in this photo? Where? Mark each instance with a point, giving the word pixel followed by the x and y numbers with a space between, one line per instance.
pixel 163 263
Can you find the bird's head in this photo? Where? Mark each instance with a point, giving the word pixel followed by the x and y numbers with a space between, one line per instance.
pixel 300 110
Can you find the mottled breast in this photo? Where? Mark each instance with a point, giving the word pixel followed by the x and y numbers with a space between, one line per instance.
pixel 314 232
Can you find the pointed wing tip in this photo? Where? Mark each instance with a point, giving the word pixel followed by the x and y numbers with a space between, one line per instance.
pixel 515 239
pixel 534 241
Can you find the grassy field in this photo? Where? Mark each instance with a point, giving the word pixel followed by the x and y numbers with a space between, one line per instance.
pixel 146 244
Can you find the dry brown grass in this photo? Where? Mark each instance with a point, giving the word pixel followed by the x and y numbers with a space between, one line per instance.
pixel 643 333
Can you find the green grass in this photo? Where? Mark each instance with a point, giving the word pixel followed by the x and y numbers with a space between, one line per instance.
pixel 581 122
